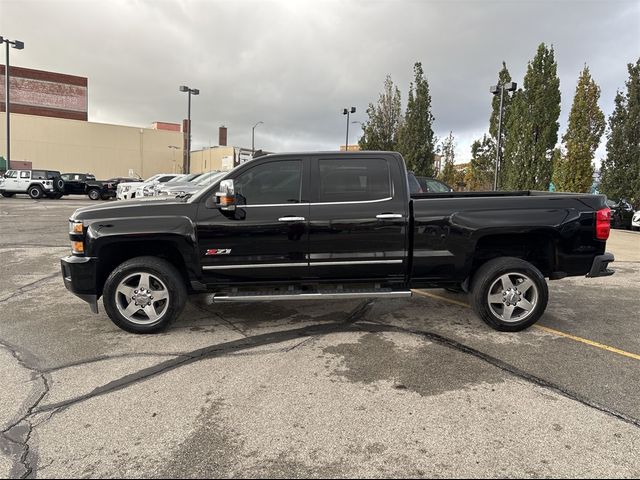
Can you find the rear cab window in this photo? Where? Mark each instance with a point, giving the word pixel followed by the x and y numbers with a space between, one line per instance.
pixel 354 180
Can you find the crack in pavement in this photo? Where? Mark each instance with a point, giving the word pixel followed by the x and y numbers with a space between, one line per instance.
pixel 213 351
pixel 352 323
pixel 15 434
pixel 29 286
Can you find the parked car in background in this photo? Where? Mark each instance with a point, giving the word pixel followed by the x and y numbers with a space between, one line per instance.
pixel 635 221
pixel 86 184
pixel 431 185
pixel 179 189
pixel 177 181
pixel 35 183
pixel 621 213
pixel 128 190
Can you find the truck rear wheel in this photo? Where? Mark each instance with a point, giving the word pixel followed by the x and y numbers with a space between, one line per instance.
pixel 509 294
pixel 94 194
pixel 144 295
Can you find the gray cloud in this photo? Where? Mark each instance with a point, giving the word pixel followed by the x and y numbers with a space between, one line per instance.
pixel 295 64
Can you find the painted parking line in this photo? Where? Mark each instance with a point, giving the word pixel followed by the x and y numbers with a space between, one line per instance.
pixel 553 331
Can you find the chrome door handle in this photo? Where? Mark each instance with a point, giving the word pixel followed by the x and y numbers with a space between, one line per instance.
pixel 387 216
pixel 291 219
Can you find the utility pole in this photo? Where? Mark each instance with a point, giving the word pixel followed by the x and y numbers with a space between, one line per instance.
pixel 18 45
pixel 510 87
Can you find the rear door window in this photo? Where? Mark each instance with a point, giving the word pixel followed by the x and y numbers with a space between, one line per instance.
pixel 353 180
pixel 25 174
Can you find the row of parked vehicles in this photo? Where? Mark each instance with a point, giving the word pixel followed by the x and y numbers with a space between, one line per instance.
pixel 53 184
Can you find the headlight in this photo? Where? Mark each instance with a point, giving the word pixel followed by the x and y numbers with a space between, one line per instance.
pixel 76 229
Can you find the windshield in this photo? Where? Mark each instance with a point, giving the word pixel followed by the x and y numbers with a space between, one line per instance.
pixel 205 179
pixel 213 179
pixel 434 186
pixel 178 178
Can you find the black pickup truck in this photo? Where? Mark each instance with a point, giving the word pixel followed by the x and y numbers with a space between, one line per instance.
pixel 327 226
pixel 86 184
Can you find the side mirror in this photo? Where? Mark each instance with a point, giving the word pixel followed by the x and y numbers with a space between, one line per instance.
pixel 226 197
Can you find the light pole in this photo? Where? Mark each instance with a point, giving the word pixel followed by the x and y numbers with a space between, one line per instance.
pixel 253 137
pixel 495 89
pixel 18 45
pixel 347 112
pixel 191 91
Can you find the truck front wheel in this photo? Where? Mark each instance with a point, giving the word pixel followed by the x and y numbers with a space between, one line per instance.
pixel 144 295
pixel 509 294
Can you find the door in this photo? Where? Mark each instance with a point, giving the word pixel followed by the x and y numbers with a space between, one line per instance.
pixel 359 219
pixel 24 180
pixel 11 181
pixel 266 237
pixel 73 184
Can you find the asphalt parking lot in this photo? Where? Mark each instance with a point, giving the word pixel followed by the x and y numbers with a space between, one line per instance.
pixel 393 388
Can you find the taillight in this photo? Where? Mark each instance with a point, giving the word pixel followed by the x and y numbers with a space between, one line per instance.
pixel 603 223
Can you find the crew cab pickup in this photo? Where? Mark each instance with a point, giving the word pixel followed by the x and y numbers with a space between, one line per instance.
pixel 86 184
pixel 330 226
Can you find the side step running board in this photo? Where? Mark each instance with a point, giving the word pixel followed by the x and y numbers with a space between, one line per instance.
pixel 225 298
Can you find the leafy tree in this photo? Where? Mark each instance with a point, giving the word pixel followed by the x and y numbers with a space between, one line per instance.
pixel 380 132
pixel 480 174
pixel 532 126
pixel 448 173
pixel 586 126
pixel 416 137
pixel 621 169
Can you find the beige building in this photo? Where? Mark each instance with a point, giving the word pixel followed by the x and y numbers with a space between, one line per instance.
pixel 222 158
pixel 99 148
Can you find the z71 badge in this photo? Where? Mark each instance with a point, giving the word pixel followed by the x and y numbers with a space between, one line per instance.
pixel 218 251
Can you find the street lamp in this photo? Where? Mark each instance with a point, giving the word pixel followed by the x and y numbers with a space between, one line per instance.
pixel 347 112
pixel 253 137
pixel 18 45
pixel 191 91
pixel 495 89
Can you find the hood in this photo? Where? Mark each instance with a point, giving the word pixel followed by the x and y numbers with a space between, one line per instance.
pixel 145 207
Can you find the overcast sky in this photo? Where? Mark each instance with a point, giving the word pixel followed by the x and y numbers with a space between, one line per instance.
pixel 295 64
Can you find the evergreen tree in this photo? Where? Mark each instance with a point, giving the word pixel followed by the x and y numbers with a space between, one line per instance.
pixel 586 126
pixel 480 174
pixel 532 126
pixel 380 132
pixel 621 169
pixel 416 138
pixel 448 173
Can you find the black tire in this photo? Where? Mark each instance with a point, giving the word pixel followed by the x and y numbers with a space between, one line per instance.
pixel 7 194
pixel 58 184
pixel 94 194
pixel 487 282
pixel 35 192
pixel 172 283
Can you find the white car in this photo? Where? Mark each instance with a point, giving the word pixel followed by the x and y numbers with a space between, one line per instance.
pixel 635 221
pixel 129 190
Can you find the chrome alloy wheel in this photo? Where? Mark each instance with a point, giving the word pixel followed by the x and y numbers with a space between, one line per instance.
pixel 142 298
pixel 512 297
